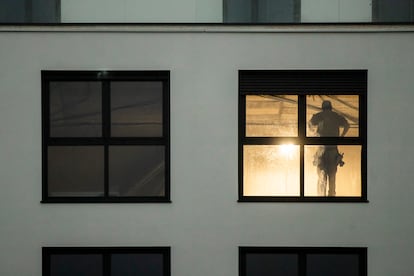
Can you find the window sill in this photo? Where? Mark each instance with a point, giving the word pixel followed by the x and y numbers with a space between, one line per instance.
pixel 210 27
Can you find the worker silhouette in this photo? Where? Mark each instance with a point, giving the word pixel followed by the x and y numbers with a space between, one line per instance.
pixel 327 157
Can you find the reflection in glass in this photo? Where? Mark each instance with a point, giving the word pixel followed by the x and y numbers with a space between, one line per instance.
pixel 75 109
pixel 271 115
pixel 136 109
pixel 136 171
pixel 332 264
pixel 75 171
pixel 271 170
pixel 329 123
pixel 271 264
pixel 324 175
pixel 79 265
pixel 137 264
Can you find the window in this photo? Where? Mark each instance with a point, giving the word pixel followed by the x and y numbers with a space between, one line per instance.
pixel 302 135
pixel 393 10
pixel 105 136
pixel 308 261
pixel 100 261
pixel 29 11
pixel 261 11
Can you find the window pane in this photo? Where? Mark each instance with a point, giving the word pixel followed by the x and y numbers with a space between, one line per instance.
pixel 394 10
pixel 136 109
pixel 276 11
pixel 271 115
pixel 261 11
pixel 45 11
pixel 339 112
pixel 332 264
pixel 137 264
pixel 237 11
pixel 75 171
pixel 12 11
pixel 79 265
pixel 324 175
pixel 136 171
pixel 271 170
pixel 271 264
pixel 75 109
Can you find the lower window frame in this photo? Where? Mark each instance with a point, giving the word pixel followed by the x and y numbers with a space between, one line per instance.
pixel 47 252
pixel 362 253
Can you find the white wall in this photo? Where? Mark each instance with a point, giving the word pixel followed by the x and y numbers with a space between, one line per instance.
pixel 205 225
pixel 148 11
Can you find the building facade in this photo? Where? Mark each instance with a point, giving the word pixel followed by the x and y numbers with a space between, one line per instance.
pixel 203 223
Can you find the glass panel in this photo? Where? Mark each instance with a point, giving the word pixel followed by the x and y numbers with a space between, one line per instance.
pixel 330 115
pixel 45 11
pixel 394 10
pixel 332 264
pixel 12 11
pixel 75 171
pixel 79 265
pixel 276 11
pixel 333 170
pixel 75 109
pixel 137 264
pixel 271 115
pixel 136 109
pixel 271 170
pixel 237 11
pixel 136 171
pixel 271 264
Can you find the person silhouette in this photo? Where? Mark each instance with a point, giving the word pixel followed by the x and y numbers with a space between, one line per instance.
pixel 327 157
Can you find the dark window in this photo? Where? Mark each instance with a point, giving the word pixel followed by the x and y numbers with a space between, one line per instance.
pixel 261 11
pixel 105 136
pixel 112 261
pixel 308 261
pixel 393 10
pixel 29 11
pixel 302 135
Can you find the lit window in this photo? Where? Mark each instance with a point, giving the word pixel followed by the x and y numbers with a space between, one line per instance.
pixel 308 261
pixel 105 136
pixel 102 261
pixel 302 135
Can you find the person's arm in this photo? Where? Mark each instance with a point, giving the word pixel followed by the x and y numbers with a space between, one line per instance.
pixel 345 126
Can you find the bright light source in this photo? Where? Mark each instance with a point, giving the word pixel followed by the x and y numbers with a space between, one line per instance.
pixel 288 150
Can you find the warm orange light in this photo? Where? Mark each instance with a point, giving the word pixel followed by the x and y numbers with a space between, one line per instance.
pixel 288 150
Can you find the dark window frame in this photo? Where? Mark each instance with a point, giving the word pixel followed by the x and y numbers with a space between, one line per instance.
pixel 106 252
pixel 105 77
pixel 304 83
pixel 254 16
pixel 302 252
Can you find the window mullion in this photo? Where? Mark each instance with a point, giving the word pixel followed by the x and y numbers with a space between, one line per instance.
pixel 107 263
pixel 302 264
pixel 302 136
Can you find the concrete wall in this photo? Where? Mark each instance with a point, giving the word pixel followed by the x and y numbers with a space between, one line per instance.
pixel 205 225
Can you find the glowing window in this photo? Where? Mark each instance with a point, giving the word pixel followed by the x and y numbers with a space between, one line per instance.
pixel 302 135
pixel 105 136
